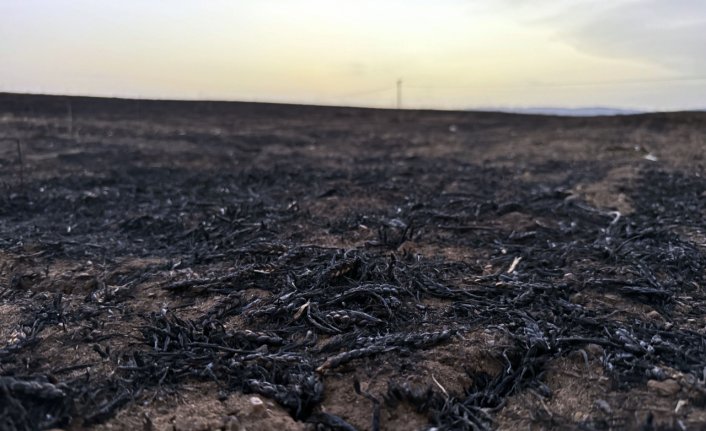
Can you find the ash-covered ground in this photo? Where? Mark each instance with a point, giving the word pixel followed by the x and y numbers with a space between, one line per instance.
pixel 198 266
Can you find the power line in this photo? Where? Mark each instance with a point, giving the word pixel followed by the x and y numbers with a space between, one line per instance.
pixel 366 92
pixel 559 85
pixel 398 86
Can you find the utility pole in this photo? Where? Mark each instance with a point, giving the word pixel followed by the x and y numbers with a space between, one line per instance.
pixel 399 93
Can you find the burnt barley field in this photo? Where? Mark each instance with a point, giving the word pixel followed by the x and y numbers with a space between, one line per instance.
pixel 197 266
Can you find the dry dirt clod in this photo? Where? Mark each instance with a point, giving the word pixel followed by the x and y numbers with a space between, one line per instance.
pixel 665 388
pixel 257 405
pixel 654 314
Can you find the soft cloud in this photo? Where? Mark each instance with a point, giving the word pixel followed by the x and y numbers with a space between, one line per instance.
pixel 668 33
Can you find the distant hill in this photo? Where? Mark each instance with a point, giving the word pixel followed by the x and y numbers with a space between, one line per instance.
pixel 570 112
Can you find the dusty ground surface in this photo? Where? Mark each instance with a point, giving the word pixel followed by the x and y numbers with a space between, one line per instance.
pixel 250 267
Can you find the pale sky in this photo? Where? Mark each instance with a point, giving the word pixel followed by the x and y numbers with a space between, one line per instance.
pixel 643 54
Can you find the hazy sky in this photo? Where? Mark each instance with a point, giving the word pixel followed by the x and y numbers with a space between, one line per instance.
pixel 648 54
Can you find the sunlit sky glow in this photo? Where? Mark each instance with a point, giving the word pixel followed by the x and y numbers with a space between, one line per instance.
pixel 644 54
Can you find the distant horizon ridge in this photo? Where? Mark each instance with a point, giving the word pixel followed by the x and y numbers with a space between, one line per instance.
pixel 574 111
pixel 571 111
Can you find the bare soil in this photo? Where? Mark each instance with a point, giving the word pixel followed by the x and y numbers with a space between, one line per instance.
pixel 235 266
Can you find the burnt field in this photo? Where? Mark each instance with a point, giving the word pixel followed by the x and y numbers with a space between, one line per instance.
pixel 197 266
